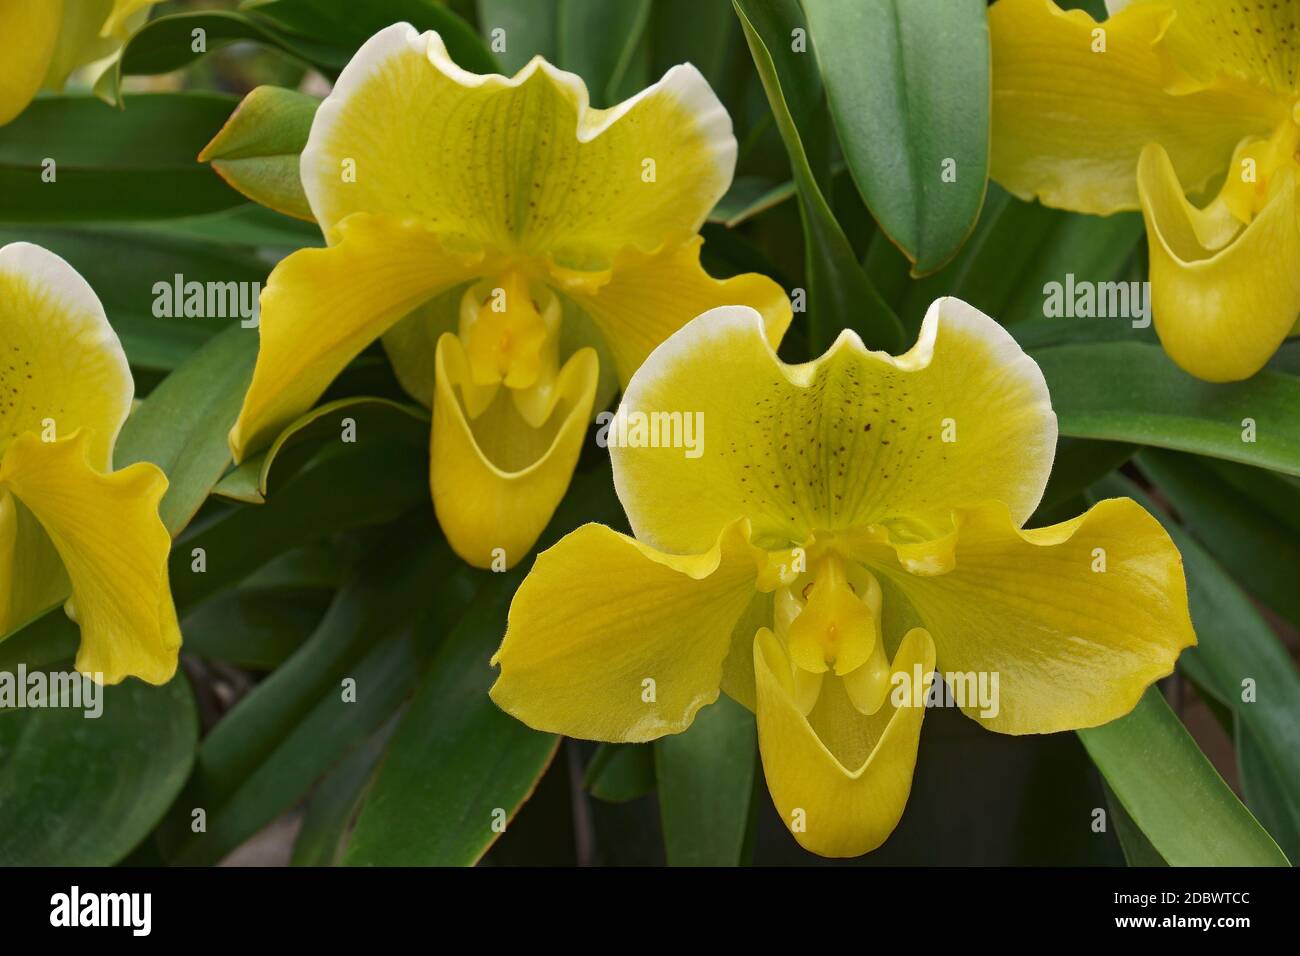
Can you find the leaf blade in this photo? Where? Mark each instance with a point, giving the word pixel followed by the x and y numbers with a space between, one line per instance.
pixel 111 165
pixel 1173 794
pixel 912 75
pixel 840 294
pixel 706 783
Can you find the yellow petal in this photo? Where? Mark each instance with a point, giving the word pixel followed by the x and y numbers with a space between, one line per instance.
pixel 738 668
pixel 1221 310
pixel 27 42
pixel 496 480
pixel 92 32
pixel 79 40
pixel 1068 123
pixel 520 165
pixel 61 365
pixel 321 307
pixel 649 296
pixel 1076 620
pixel 839 780
pixel 611 640
pixel 851 439
pixel 114 546
pixel 32 578
pixel 125 17
pixel 1255 42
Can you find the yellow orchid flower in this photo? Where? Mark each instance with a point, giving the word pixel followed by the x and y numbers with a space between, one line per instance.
pixel 850 525
pixel 44 41
pixel 1159 102
pixel 519 252
pixel 69 524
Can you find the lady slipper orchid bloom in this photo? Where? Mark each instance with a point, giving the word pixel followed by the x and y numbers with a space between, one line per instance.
pixel 853 524
pixel 44 41
pixel 72 528
pixel 519 252
pixel 1160 102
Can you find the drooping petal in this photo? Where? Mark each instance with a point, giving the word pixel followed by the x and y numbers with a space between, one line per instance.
pixel 27 43
pixel 496 479
pixel 833 807
pixel 61 365
pixel 1069 121
pixel 321 307
pixel 521 164
pixel 114 546
pixel 32 578
pixel 1076 620
pixel 649 296
pixel 1221 310
pixel 851 439
pixel 611 640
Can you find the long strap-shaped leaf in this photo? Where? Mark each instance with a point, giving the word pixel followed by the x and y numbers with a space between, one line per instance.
pixel 840 294
pixel 706 786
pixel 908 83
pixel 1239 662
pixel 1173 794
pixel 459 767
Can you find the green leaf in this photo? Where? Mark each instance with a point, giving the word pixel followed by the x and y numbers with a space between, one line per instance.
pixel 840 295
pixel 1277 495
pixel 1173 793
pixel 371 420
pixel 86 792
pixel 705 35
pixel 348 25
pixel 706 781
pixel 1138 850
pixel 529 27
pixel 183 425
pixel 48 639
pixel 1016 250
pixel 333 806
pixel 1262 552
pixel 618 773
pixel 167 43
pixel 110 164
pixel 1029 247
pixel 1132 392
pixel 908 84
pixel 777 23
pixel 297 724
pixel 345 489
pixel 1268 794
pixel 123 265
pixel 751 196
pixel 747 197
pixel 459 768
pixel 247 225
pixel 1234 645
pixel 254 628
pixel 316 33
pixel 598 40
pixel 1077 465
pixel 259 148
